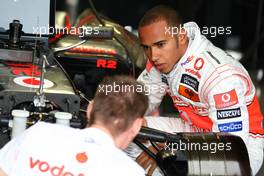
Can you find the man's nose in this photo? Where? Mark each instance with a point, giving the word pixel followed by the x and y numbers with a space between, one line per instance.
pixel 154 54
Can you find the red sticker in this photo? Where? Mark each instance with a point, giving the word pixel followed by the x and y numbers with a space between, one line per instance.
pixel 193 72
pixel 199 62
pixel 24 69
pixel 178 101
pixel 32 81
pixel 226 99
pixel 188 93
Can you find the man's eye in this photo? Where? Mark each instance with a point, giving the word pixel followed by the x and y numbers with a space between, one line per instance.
pixel 160 45
pixel 145 47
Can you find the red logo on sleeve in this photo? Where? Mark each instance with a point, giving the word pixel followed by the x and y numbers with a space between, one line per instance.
pixel 188 93
pixel 226 99
pixel 81 157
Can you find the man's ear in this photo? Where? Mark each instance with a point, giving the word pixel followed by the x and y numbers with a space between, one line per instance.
pixel 137 125
pixel 89 109
pixel 182 36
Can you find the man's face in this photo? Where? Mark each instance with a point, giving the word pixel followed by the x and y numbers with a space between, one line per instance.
pixel 163 49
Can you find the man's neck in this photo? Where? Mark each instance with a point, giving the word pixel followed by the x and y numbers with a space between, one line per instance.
pixel 120 141
pixel 104 129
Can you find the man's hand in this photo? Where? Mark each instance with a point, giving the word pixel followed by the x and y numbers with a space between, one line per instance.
pixel 147 162
pixel 2 173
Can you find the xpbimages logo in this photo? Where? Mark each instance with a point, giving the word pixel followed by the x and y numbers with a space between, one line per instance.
pixel 211 31
pixel 81 31
pixel 106 89
pixel 195 146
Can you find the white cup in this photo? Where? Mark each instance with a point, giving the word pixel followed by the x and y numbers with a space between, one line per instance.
pixel 19 122
pixel 63 118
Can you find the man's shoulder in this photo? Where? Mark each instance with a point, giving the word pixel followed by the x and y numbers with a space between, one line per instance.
pixel 112 160
pixel 219 57
pixel 150 76
pixel 44 127
pixel 125 164
pixel 212 61
pixel 43 131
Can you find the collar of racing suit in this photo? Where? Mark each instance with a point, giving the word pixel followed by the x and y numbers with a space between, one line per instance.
pixel 197 43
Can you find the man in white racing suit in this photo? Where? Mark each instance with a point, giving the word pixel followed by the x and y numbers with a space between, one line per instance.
pixel 212 91
pixel 56 150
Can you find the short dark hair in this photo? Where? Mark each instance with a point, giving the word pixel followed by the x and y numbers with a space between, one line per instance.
pixel 118 109
pixel 161 12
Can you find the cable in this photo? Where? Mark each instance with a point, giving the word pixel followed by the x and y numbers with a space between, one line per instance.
pixel 145 149
pixel 72 83
pixel 155 145
pixel 55 50
pixel 103 23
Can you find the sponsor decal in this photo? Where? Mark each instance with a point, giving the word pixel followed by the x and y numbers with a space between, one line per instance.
pixel 190 81
pixel 200 110
pixel 178 101
pixel 25 69
pixel 228 113
pixel 189 59
pixel 188 93
pixel 198 64
pixel 230 127
pixel 32 82
pixel 81 157
pixel 46 168
pixel 193 72
pixel 164 79
pixel 226 99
